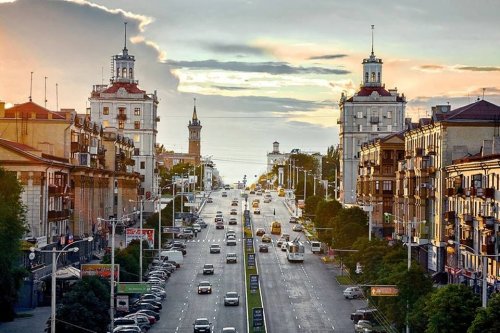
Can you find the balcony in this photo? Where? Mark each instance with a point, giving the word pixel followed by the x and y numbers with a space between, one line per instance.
pixel 431 150
pixel 388 161
pixel 121 116
pixel 487 222
pixel 374 120
pixel 488 249
pixel 467 220
pixel 467 242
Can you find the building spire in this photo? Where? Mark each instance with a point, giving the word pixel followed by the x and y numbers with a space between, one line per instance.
pixel 195 116
pixel 373 27
pixel 125 45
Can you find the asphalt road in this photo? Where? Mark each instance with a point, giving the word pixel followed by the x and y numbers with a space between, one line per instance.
pixel 183 303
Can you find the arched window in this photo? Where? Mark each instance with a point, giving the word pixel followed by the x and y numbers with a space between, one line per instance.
pixel 366 77
pixel 378 79
pixel 124 72
pixel 372 78
pixel 117 72
pixel 131 73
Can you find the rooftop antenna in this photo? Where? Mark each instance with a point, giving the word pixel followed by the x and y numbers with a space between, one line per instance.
pixel 45 103
pixel 57 97
pixel 373 27
pixel 31 86
pixel 125 47
pixel 483 93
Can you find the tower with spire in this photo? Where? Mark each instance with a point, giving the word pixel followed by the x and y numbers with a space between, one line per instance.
pixel 370 113
pixel 194 128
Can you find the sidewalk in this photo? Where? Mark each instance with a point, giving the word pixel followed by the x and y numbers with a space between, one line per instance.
pixel 32 324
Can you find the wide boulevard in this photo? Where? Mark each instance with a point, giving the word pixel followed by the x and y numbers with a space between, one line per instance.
pixel 298 297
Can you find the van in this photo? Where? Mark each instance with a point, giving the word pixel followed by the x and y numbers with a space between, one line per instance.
pixel 172 256
pixel 316 247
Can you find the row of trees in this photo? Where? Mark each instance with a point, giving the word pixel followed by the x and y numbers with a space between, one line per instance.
pixel 453 308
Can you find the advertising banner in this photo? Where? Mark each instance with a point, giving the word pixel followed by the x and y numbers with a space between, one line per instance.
pixel 122 303
pixel 384 291
pixel 102 270
pixel 249 243
pixel 251 260
pixel 133 288
pixel 254 282
pixel 257 317
pixel 134 233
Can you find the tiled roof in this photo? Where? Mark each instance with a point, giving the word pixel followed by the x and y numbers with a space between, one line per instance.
pixel 17 145
pixel 39 110
pixel 480 110
pixel 131 88
pixel 367 91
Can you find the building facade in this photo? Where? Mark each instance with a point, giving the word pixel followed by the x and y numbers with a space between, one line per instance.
pixel 134 114
pixel 372 112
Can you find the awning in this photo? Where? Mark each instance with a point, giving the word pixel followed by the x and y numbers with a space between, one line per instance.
pixel 68 273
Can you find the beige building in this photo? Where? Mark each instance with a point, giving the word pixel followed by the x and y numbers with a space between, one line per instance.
pixel 471 213
pixel 378 162
pixel 429 149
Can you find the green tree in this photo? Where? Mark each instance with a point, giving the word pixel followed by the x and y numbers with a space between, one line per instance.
pixel 348 225
pixel 12 228
pixel 331 163
pixel 312 203
pixel 325 211
pixel 451 309
pixel 85 306
pixel 487 320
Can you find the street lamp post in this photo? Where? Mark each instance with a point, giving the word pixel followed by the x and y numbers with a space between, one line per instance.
pixel 55 258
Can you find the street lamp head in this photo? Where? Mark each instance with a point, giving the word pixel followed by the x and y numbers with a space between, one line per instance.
pixel 74 249
pixel 90 239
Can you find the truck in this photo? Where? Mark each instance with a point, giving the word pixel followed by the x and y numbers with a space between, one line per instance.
pixel 172 255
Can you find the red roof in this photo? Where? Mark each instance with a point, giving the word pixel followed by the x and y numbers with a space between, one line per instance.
pixel 17 145
pixel 39 110
pixel 131 88
pixel 480 110
pixel 367 91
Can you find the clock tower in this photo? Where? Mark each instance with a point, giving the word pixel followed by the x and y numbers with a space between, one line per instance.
pixel 194 128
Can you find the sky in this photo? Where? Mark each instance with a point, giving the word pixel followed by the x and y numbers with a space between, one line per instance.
pixel 261 71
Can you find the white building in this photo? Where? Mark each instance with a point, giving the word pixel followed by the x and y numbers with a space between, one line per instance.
pixel 134 113
pixel 372 112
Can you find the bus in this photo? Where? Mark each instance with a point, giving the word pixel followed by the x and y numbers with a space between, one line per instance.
pixel 295 251
pixel 281 192
pixel 276 228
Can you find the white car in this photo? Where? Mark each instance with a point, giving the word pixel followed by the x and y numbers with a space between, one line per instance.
pixel 353 292
pixel 231 241
pixel 196 227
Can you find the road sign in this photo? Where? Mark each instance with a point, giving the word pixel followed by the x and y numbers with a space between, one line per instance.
pixel 122 303
pixel 133 288
pixel 249 243
pixel 257 317
pixel 251 260
pixel 384 291
pixel 174 230
pixel 189 204
pixel 254 282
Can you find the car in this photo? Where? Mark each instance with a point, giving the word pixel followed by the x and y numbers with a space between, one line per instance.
pixel 219 225
pixel 208 269
pixel 353 292
pixel 177 248
pixel 280 241
pixel 202 224
pixel 298 228
pixel 186 234
pixel 230 232
pixel 259 192
pixel 219 218
pixel 152 302
pixel 232 298
pixel 260 231
pixel 202 325
pixel 285 236
pixel 143 320
pixel 234 203
pixel 283 247
pixel 233 211
pixel 196 227
pixel 150 297
pixel 215 248
pixel 256 211
pixel 267 200
pixel 252 192
pixel 263 248
pixel 231 258
pixel 145 306
pixel 124 321
pixel 228 330
pixel 231 241
pixel 127 329
pixel 204 287
pixel 293 219
pixel 210 200
pixel 154 314
pixel 266 238
pixel 233 221
pixel 361 325
pixel 224 194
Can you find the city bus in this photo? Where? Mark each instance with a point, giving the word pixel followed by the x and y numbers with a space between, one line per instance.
pixel 276 228
pixel 295 251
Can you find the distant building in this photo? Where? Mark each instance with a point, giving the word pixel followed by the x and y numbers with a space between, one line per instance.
pixel 193 156
pixel 133 113
pixel 372 112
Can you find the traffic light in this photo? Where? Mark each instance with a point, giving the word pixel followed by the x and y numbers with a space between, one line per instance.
pixel 387 218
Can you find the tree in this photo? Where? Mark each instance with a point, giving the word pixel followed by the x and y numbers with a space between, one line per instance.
pixel 312 203
pixel 12 228
pixel 451 309
pixel 348 225
pixel 85 306
pixel 325 211
pixel 487 320
pixel 331 163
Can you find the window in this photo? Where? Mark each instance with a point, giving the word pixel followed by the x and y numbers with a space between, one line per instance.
pixel 477 181
pixel 143 165
pixel 360 114
pixel 378 74
pixel 137 151
pixel 137 124
pixel 366 77
pixel 105 123
pixel 372 78
pixel 360 128
pixel 121 124
pixel 387 185
pixel 137 138
pixel 130 73
pixel 137 111
pixel 105 110
pixel 389 114
pixel 389 128
pixel 374 128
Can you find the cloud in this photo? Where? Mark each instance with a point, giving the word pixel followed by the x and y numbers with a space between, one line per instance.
pixel 234 48
pixel 231 88
pixel 273 68
pixel 328 57
pixel 479 68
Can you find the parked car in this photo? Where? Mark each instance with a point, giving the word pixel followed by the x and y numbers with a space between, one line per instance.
pixel 154 314
pixel 298 228
pixel 215 248
pixel 293 219
pixel 232 298
pixel 127 329
pixel 186 234
pixel 204 287
pixel 202 325
pixel 196 227
pixel 353 292
pixel 208 269
pixel 202 224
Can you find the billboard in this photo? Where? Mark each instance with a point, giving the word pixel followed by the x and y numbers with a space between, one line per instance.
pixel 134 233
pixel 384 291
pixel 102 270
pixel 133 288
